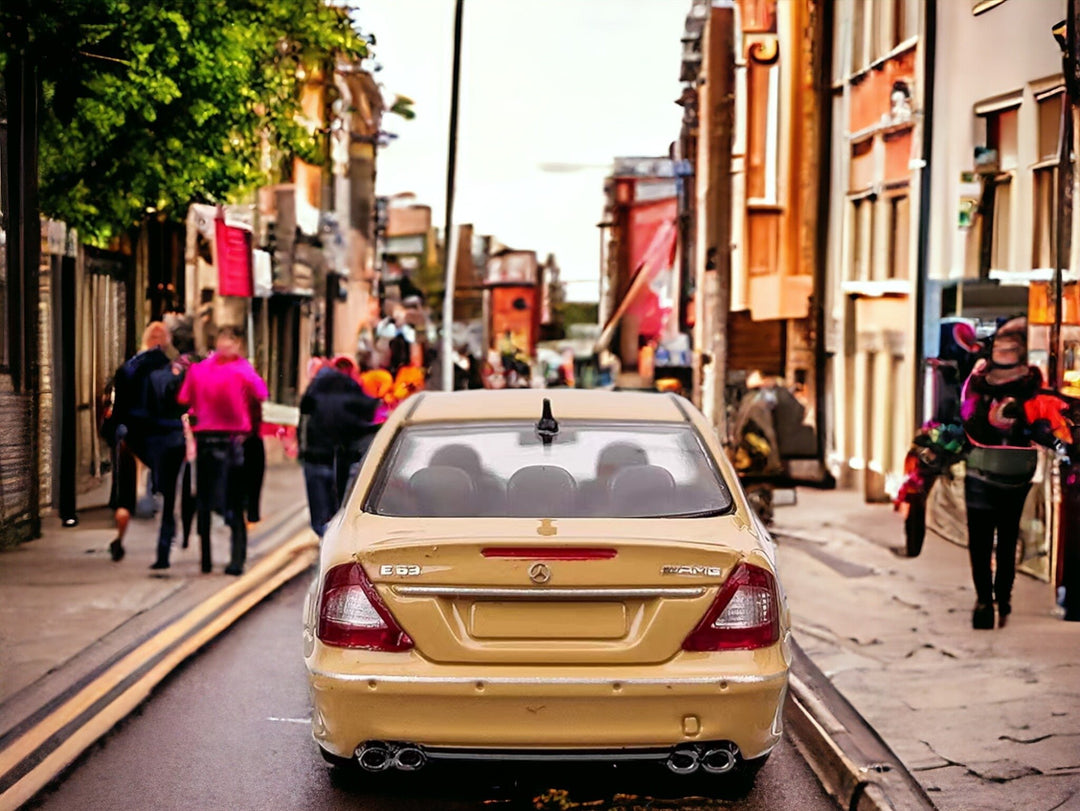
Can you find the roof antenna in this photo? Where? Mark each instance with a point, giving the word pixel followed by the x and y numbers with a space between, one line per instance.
pixel 547 428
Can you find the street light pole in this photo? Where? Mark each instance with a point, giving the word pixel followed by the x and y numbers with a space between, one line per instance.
pixel 450 240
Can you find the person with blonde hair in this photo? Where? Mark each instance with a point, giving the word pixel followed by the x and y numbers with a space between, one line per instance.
pixel 129 426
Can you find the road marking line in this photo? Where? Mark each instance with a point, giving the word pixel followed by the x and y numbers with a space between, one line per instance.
pixel 289 720
pixel 247 592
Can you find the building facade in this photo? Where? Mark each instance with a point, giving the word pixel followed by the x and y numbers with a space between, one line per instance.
pixel 999 99
pixel 876 179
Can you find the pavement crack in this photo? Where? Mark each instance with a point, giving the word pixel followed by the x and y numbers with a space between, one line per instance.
pixel 1062 803
pixel 948 761
pixel 906 604
pixel 1025 740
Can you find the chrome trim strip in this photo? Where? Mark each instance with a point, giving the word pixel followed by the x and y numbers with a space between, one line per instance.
pixel 658 756
pixel 540 680
pixel 540 593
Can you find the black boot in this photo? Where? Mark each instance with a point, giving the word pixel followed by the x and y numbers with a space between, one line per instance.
pixel 1004 609
pixel 982 618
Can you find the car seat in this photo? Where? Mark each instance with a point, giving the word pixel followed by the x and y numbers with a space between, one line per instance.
pixel 542 491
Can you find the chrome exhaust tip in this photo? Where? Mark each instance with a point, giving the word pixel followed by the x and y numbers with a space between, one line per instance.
pixel 409 759
pixel 375 756
pixel 720 760
pixel 683 760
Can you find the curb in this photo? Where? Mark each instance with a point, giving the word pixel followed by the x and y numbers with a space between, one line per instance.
pixel 855 766
pixel 41 752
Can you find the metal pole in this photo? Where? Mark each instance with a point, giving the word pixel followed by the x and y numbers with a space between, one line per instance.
pixel 449 238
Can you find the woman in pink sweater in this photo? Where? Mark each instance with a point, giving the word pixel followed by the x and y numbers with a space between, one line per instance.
pixel 221 393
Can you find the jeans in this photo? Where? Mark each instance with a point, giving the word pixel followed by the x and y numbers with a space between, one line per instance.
pixel 255 463
pixel 170 463
pixel 320 480
pixel 221 488
pixel 983 520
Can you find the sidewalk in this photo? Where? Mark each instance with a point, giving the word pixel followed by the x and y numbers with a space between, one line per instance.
pixel 68 607
pixel 984 719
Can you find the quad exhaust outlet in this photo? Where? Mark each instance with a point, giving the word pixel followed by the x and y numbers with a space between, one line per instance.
pixel 685 758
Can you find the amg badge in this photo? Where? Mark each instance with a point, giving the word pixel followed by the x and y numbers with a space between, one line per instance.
pixel 692 571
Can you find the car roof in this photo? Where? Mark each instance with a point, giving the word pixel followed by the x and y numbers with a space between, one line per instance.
pixel 527 404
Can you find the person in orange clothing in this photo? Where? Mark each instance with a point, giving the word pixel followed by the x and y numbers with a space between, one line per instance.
pixel 409 381
pixel 378 383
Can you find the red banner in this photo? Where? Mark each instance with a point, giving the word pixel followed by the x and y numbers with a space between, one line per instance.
pixel 233 259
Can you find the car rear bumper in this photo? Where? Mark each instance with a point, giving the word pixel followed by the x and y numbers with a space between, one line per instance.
pixel 564 710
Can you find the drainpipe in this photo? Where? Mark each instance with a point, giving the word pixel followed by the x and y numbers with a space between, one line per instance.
pixel 826 12
pixel 922 269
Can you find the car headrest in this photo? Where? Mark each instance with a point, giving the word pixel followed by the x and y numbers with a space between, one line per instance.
pixel 461 456
pixel 442 491
pixel 642 490
pixel 541 491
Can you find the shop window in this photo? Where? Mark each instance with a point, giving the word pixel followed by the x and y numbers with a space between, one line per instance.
pixel 1044 187
pixel 899 233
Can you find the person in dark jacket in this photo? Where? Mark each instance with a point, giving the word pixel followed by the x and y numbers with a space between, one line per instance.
pixel 337 420
pixel 130 426
pixel 1004 414
pixel 166 447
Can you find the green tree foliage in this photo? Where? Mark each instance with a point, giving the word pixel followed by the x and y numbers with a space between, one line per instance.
pixel 152 104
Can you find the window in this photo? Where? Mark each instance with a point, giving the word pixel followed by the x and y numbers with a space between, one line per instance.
pixel 1002 225
pixel 899 212
pixel 1045 172
pixel 590 469
pixel 905 21
pixel 862 239
pixel 763 137
pixel 859 51
pixel 999 136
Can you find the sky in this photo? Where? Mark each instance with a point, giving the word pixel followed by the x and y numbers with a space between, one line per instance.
pixel 551 92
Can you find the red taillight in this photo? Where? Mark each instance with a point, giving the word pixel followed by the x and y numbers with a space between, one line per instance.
pixel 744 615
pixel 549 552
pixel 353 615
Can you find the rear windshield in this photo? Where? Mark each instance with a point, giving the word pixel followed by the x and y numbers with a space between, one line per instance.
pixel 589 470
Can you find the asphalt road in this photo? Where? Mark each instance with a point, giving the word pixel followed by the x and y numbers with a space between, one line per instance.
pixel 229 730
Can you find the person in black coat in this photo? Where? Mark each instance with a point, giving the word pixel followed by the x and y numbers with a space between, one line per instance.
pixel 130 426
pixel 337 423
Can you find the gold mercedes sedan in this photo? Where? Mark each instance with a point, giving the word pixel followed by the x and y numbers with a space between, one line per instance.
pixel 547 575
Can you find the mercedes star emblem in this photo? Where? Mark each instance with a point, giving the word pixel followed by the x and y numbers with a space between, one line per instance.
pixel 539 573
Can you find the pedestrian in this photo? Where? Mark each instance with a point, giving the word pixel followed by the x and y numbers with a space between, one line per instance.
pixel 128 426
pixel 166 443
pixel 221 393
pixel 1003 414
pixel 338 423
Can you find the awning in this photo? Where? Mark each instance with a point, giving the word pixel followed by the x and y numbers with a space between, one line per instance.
pixel 659 256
